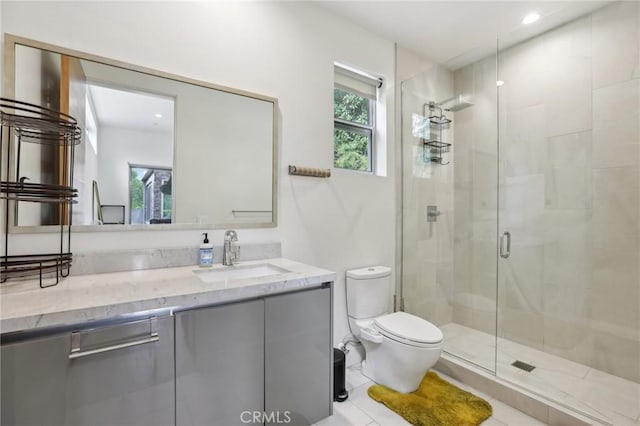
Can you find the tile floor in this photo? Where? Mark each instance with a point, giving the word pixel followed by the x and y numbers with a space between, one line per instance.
pixel 360 410
pixel 600 395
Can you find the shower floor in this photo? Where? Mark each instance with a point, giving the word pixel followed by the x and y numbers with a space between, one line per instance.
pixel 600 395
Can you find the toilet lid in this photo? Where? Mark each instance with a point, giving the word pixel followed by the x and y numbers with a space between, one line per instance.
pixel 409 327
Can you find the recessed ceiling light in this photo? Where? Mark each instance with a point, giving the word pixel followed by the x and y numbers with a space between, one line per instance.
pixel 530 18
pixel 158 115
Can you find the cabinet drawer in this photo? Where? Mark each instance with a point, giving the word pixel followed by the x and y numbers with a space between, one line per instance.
pixel 114 375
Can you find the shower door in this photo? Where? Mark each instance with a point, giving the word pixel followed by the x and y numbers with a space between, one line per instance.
pixel 524 245
pixel 569 213
pixel 449 209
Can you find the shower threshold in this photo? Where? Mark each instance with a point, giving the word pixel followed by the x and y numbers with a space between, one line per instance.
pixel 557 391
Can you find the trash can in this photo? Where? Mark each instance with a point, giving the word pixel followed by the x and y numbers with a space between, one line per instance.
pixel 339 389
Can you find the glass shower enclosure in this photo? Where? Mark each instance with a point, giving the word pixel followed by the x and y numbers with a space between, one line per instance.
pixel 522 242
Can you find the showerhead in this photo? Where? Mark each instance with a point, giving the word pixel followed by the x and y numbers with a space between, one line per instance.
pixel 456 104
pixel 459 105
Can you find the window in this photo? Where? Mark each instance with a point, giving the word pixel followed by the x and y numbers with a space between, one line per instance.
pixel 354 112
pixel 165 197
pixel 150 199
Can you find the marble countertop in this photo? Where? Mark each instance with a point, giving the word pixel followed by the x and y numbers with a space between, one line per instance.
pixel 82 298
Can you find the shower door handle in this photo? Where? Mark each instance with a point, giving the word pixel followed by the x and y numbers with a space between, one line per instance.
pixel 505 248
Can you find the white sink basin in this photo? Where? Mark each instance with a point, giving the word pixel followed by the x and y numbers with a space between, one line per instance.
pixel 239 272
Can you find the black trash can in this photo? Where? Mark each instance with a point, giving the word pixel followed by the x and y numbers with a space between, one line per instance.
pixel 339 389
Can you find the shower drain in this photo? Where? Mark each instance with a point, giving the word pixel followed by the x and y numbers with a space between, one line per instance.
pixel 523 366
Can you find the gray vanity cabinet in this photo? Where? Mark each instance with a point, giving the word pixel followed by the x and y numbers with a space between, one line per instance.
pixel 263 361
pixel 113 375
pixel 298 356
pixel 220 364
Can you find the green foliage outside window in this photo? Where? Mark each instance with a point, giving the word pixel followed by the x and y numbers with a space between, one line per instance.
pixel 351 147
pixel 350 107
pixel 350 150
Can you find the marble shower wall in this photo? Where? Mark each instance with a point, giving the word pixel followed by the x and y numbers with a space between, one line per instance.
pixel 427 248
pixel 475 198
pixel 569 132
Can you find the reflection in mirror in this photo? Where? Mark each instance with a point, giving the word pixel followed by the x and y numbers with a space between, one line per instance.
pixel 124 128
pixel 150 195
pixel 159 149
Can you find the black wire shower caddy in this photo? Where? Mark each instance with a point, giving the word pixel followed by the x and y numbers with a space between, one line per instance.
pixel 22 122
pixel 435 147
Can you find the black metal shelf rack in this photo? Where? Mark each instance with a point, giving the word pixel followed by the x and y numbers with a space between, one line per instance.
pixel 22 122
pixel 435 147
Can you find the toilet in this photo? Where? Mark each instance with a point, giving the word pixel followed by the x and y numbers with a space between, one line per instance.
pixel 399 347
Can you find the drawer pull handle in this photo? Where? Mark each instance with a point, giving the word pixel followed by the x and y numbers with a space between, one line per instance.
pixel 77 352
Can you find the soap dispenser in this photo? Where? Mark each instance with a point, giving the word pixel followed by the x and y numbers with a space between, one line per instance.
pixel 205 258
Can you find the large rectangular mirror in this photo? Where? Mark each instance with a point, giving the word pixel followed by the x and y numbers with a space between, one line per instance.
pixel 157 149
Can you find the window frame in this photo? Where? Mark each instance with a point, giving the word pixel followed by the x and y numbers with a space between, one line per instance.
pixel 162 198
pixel 354 127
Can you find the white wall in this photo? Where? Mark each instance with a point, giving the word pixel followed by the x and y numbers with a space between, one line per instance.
pixel 119 147
pixel 284 50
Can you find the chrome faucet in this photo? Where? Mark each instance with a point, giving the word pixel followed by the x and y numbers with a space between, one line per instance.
pixel 230 251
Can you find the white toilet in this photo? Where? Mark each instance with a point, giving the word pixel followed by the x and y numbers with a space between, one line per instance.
pixel 399 347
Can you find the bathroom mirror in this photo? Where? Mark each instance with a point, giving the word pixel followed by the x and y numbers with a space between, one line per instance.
pixel 158 150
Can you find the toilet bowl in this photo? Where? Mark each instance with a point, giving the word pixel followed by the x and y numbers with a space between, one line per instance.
pixel 399 347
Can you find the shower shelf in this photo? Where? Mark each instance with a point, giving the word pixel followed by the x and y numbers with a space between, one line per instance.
pixel 22 122
pixel 24 266
pixel 37 192
pixel 440 147
pixel 439 122
pixel 436 149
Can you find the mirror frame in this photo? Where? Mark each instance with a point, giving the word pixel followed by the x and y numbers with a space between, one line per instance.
pixel 8 85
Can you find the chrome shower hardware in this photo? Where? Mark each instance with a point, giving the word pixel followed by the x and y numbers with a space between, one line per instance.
pixel 433 213
pixel 505 249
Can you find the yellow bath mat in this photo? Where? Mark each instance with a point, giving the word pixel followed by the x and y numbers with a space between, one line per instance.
pixel 435 403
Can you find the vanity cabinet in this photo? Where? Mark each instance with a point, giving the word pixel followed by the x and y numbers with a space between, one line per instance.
pixel 262 361
pixel 119 374
pixel 298 356
pixel 220 364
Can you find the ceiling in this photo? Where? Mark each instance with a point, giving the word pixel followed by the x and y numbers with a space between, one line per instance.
pixel 132 110
pixel 456 33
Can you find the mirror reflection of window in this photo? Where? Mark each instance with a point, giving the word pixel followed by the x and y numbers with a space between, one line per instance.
pixel 165 194
pixel 150 198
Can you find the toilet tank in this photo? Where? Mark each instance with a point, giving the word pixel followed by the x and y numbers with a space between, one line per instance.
pixel 368 291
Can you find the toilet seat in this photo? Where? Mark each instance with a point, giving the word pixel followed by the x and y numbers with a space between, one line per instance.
pixel 409 329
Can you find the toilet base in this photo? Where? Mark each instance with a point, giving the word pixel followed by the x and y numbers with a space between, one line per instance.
pixel 398 366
